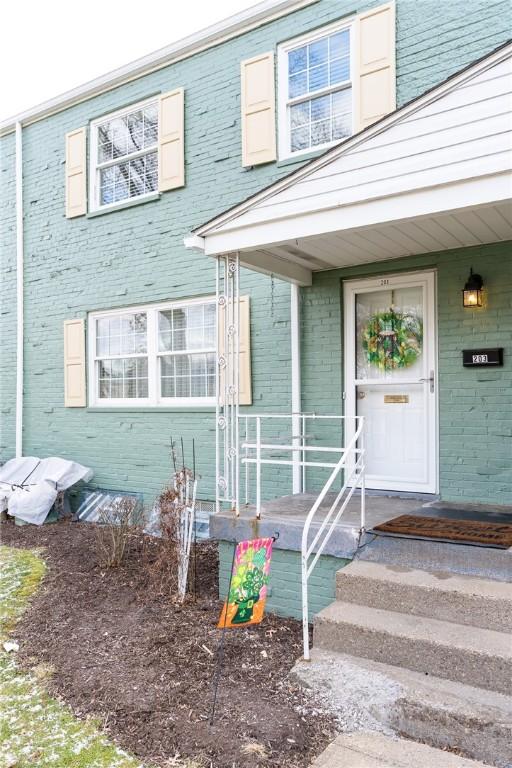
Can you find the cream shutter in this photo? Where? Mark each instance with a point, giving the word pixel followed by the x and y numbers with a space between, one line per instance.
pixel 374 78
pixel 76 175
pixel 258 110
pixel 74 364
pixel 171 140
pixel 244 358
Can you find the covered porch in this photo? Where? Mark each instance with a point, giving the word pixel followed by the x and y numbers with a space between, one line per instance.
pixel 399 212
pixel 417 196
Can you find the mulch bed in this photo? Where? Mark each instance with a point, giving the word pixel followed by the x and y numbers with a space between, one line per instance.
pixel 144 666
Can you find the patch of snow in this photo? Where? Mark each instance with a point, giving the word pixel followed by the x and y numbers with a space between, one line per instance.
pixel 30 722
pixel 10 645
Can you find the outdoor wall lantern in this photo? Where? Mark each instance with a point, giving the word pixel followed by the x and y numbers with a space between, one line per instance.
pixel 472 293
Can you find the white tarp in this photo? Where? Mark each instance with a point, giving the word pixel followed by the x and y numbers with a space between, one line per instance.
pixel 41 480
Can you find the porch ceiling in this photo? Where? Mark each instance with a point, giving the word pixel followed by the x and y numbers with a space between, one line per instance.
pixel 434 175
pixel 295 259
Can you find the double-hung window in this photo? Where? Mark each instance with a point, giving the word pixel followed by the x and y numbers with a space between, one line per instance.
pixel 156 355
pixel 124 155
pixel 186 351
pixel 315 90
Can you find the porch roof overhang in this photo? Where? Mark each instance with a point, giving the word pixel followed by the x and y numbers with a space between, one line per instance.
pixel 434 175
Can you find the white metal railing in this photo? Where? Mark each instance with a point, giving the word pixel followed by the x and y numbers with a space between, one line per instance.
pixel 349 468
pixel 256 448
pixel 353 459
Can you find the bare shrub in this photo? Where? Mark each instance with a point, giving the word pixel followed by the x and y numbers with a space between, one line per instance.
pixel 165 567
pixel 117 523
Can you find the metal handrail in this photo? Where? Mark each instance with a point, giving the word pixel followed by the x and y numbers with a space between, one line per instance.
pixel 296 446
pixel 355 479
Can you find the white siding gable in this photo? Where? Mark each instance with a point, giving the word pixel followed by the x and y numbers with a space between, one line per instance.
pixel 460 132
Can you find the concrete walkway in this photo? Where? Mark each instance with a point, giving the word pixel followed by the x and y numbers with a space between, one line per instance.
pixel 372 750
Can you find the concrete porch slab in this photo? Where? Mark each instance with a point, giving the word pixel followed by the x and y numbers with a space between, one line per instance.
pixel 286 516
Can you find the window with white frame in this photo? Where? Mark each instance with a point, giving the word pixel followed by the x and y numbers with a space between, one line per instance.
pixel 156 355
pixel 124 155
pixel 315 90
pixel 122 356
pixel 186 351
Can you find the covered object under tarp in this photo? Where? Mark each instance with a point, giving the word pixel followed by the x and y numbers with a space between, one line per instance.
pixel 29 486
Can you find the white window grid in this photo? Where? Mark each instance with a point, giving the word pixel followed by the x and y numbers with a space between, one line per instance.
pixel 147 155
pixel 191 362
pixel 285 102
pixel 152 354
pixel 121 351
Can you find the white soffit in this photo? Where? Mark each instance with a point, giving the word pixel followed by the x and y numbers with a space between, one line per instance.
pixel 435 174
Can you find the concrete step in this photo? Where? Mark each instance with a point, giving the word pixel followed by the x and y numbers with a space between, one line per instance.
pixel 370 695
pixel 373 750
pixel 449 597
pixel 479 657
pixel 465 559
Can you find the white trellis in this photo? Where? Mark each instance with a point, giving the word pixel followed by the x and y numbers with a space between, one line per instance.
pixel 185 485
pixel 227 382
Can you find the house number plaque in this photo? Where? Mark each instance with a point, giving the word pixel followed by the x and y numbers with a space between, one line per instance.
pixel 396 398
pixel 482 357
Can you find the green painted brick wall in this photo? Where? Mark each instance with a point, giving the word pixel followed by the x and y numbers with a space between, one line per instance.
pixel 137 255
pixel 475 405
pixel 285 596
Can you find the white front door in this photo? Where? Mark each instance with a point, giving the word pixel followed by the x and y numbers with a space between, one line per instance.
pixel 391 378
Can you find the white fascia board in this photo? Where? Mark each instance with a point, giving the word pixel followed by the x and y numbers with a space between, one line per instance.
pixel 224 30
pixel 359 139
pixel 263 262
pixel 409 205
pixel 194 243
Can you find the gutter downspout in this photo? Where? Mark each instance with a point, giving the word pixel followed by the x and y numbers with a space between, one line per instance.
pixel 19 291
pixel 296 386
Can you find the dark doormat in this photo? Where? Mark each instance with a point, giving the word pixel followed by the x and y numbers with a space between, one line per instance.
pixel 468 514
pixel 484 534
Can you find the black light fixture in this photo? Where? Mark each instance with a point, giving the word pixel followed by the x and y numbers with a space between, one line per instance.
pixel 472 293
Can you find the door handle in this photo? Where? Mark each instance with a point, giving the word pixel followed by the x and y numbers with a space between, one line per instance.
pixel 431 379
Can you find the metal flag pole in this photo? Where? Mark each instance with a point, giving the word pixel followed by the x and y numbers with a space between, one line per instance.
pixel 220 649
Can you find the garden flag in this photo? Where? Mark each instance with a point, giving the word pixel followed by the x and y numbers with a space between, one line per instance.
pixel 248 584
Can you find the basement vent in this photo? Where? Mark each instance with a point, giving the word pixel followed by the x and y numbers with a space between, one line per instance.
pixel 93 505
pixel 203 511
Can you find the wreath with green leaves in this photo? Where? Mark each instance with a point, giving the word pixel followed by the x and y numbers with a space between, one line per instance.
pixel 392 340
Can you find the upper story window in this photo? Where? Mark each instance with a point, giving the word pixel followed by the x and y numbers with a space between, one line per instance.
pixel 124 155
pixel 315 90
pixel 155 355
